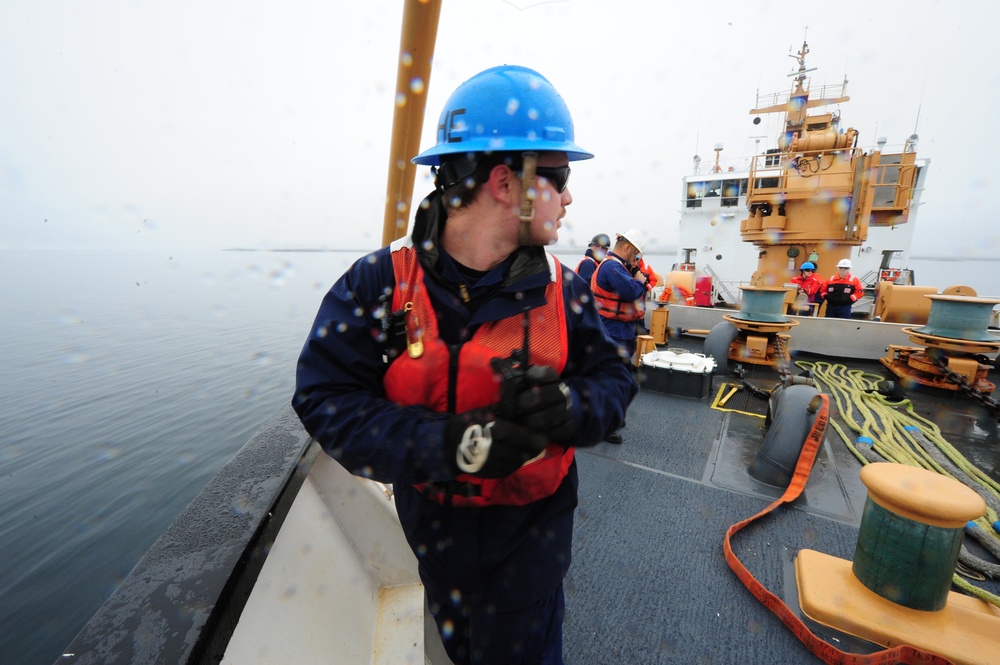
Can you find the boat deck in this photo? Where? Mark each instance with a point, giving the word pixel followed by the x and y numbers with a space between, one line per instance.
pixel 649 582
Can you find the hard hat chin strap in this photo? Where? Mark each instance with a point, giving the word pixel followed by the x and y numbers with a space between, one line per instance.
pixel 528 189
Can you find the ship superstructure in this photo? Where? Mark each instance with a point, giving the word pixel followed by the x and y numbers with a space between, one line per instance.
pixel 814 195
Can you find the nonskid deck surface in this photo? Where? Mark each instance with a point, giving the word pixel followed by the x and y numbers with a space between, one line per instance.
pixel 649 583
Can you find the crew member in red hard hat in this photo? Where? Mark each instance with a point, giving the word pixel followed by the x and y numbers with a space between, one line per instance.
pixel 841 291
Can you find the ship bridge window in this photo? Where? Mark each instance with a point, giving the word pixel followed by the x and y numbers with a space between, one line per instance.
pixel 732 190
pixel 727 191
pixel 695 193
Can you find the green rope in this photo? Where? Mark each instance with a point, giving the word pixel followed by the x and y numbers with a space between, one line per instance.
pixel 973 590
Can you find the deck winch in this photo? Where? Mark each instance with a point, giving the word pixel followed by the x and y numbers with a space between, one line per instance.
pixel 953 346
pixel 761 328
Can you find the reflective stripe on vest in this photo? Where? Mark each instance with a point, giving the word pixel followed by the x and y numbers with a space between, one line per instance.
pixel 425 380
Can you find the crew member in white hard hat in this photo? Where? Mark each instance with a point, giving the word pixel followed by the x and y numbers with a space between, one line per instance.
pixel 620 294
pixel 841 291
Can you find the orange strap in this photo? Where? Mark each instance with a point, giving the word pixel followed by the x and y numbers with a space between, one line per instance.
pixel 903 653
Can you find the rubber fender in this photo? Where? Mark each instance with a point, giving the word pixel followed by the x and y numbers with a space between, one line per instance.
pixel 717 344
pixel 774 463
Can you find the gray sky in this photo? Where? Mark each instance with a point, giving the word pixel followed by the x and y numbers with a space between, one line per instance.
pixel 266 124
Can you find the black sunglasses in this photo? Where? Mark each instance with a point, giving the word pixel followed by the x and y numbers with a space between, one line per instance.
pixel 557 175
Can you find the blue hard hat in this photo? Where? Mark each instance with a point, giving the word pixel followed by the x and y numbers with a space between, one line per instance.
pixel 504 109
pixel 808 265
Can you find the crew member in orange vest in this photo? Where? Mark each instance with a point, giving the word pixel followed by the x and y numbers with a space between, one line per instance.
pixel 458 365
pixel 620 293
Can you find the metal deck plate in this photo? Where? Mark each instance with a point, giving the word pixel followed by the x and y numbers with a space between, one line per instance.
pixel 738 442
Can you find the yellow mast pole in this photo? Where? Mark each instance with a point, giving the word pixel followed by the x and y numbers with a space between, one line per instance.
pixel 416 50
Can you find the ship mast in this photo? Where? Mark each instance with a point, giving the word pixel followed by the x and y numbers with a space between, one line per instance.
pixel 815 195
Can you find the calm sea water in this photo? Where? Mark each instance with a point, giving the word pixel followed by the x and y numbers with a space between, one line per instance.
pixel 128 381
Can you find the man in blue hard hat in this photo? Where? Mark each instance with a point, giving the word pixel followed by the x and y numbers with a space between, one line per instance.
pixel 809 287
pixel 458 364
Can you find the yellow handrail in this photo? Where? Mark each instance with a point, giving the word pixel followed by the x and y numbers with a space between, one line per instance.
pixel 413 75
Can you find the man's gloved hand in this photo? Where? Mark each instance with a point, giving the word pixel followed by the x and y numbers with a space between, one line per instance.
pixel 540 401
pixel 483 445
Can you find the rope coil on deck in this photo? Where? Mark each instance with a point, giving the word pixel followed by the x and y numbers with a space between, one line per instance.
pixel 887 430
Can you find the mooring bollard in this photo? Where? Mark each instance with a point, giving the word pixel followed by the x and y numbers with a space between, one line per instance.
pixel 911 531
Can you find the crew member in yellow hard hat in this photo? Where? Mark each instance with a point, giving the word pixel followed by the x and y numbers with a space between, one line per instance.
pixel 841 291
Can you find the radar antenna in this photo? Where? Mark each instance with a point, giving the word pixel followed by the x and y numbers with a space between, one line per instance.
pixel 800 57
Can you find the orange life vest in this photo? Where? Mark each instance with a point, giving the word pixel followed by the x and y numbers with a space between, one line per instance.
pixel 651 277
pixel 427 378
pixel 586 259
pixel 609 304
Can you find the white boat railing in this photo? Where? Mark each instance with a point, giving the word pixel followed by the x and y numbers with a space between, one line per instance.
pixel 182 601
pixel 345 580
pixel 284 557
pixel 815 93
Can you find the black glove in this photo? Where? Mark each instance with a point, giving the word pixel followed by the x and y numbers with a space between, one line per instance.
pixel 489 447
pixel 540 401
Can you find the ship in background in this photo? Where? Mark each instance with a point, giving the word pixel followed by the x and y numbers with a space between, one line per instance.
pixel 815 195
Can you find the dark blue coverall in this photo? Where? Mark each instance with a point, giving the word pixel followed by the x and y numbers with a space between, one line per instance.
pixel 616 278
pixel 493 575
